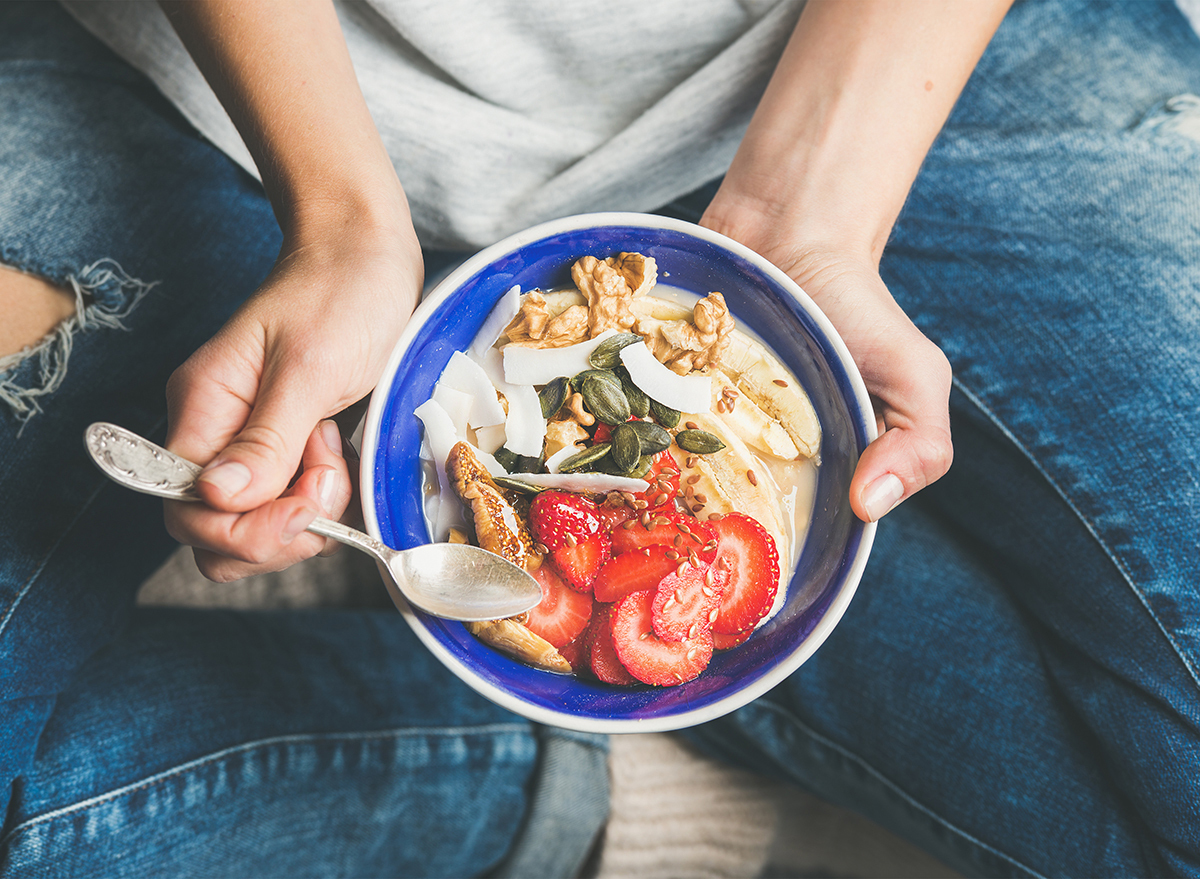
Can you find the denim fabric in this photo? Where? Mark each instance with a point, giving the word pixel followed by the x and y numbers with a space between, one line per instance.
pixel 152 742
pixel 1014 687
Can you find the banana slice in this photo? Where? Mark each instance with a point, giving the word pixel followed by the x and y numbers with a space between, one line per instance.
pixel 731 479
pixel 509 636
pixel 760 376
pixel 743 416
pixel 756 372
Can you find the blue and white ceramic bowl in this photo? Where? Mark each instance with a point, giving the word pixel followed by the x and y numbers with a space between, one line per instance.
pixel 761 298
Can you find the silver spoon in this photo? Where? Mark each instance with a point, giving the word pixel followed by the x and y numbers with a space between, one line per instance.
pixel 454 581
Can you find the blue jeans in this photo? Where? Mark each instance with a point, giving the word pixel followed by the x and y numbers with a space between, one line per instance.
pixel 1014 688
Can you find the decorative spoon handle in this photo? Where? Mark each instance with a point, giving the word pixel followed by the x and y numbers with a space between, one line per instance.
pixel 135 462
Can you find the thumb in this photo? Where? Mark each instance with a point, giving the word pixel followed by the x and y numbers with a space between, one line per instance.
pixel 254 449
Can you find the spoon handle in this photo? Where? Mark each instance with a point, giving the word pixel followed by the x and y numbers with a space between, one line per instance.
pixel 135 462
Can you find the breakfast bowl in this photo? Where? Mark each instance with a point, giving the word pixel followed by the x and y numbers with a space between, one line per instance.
pixel 765 302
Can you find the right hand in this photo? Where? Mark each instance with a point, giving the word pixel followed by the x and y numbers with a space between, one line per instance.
pixel 252 404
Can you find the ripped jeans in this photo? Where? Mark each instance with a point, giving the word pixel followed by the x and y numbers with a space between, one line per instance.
pixel 1014 688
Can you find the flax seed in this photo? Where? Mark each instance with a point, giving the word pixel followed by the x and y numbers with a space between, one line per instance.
pixel 708 593
pixel 571 540
pixel 672 555
pixel 691 461
pixel 660 499
pixel 691 425
pixel 712 617
pixel 628 523
pixel 708 580
pixel 640 504
pixel 540 549
pixel 781 383
pixel 689 491
pixel 645 520
pixel 670 601
pixel 715 517
pixel 643 636
pixel 701 498
pixel 753 479
pixel 691 654
pixel 693 479
pixel 678 541
pixel 683 566
pixel 696 508
pixel 693 632
pixel 693 558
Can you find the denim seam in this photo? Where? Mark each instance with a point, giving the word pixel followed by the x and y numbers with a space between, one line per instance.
pixel 891 785
pixel 245 747
pixel 1116 561
pixel 12 608
pixel 20 596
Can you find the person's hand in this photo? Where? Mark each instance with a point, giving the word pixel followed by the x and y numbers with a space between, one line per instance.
pixel 253 403
pixel 907 376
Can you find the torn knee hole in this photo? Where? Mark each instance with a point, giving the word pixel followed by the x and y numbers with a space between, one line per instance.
pixel 35 348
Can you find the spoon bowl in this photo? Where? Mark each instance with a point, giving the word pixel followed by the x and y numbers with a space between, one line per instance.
pixel 451 581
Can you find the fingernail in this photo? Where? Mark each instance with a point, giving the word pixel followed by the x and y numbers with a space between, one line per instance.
pixel 332 437
pixel 327 492
pixel 881 495
pixel 296 525
pixel 229 477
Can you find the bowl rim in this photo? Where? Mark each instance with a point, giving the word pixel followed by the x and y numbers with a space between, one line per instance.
pixel 370 441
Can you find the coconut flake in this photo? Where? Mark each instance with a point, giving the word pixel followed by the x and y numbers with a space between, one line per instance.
pixel 498 319
pixel 525 428
pixel 490 438
pixel 537 366
pixel 440 434
pixel 465 375
pixel 583 482
pixel 561 455
pixel 457 406
pixel 687 393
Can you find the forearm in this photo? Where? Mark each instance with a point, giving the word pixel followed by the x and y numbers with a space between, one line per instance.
pixel 282 71
pixel 857 99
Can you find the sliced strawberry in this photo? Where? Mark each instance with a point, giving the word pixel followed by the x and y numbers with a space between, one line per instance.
pixel 692 535
pixel 722 641
pixel 576 653
pixel 663 477
pixel 563 614
pixel 633 572
pixel 602 433
pixel 686 602
pixel 602 655
pixel 556 515
pixel 647 657
pixel 579 561
pixel 613 515
pixel 748 553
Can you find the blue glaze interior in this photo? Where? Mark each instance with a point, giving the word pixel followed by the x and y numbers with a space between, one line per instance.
pixel 758 303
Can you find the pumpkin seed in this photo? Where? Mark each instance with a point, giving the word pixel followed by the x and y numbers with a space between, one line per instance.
pixel 604 400
pixel 514 463
pixel 518 485
pixel 606 375
pixel 579 460
pixel 639 403
pixel 664 415
pixel 642 467
pixel 552 396
pixel 607 354
pixel 699 441
pixel 626 447
pixel 652 437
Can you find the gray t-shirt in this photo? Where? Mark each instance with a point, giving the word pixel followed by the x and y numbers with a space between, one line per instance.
pixel 505 113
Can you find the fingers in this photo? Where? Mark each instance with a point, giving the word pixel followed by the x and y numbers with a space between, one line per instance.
pixel 270 537
pixel 914 449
